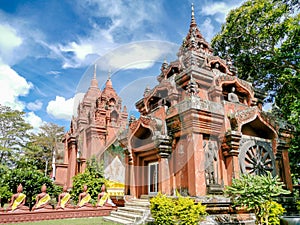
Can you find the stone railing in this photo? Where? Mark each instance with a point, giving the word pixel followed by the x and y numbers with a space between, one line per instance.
pixel 16 217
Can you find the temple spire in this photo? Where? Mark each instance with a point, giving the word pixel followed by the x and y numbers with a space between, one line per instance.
pixel 108 82
pixel 94 82
pixel 193 20
pixel 95 68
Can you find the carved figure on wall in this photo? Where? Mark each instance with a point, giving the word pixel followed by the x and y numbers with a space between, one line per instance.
pixel 211 162
pixel 18 201
pixel 232 97
pixel 64 199
pixel 42 199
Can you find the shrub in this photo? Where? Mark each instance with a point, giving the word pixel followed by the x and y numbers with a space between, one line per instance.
pixel 256 192
pixel 32 181
pixel 276 210
pixel 187 212
pixel 162 209
pixel 181 210
pixel 93 177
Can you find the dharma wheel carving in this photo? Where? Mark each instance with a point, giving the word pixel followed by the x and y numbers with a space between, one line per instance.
pixel 256 157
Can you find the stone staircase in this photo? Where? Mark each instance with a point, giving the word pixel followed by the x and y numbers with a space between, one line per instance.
pixel 136 211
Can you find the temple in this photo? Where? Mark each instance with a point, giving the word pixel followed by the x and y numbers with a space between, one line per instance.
pixel 100 117
pixel 200 127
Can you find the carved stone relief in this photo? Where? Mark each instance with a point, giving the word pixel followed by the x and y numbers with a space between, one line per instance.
pixel 211 162
pixel 256 157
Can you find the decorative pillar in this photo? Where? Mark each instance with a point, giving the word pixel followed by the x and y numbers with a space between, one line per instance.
pixel 215 93
pixel 163 143
pixel 282 163
pixel 196 167
pixel 72 152
pixel 164 176
pixel 230 148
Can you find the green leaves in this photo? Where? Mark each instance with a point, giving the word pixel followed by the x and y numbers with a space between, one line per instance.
pixel 14 133
pixel 263 39
pixel 93 177
pixel 32 181
pixel 181 210
pixel 256 193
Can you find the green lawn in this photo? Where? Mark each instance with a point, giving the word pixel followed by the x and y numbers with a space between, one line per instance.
pixel 80 221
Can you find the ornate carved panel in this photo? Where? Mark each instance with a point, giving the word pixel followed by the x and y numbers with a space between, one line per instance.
pixel 256 157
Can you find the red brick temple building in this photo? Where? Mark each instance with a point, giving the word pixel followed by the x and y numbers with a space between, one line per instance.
pixel 200 127
pixel 100 117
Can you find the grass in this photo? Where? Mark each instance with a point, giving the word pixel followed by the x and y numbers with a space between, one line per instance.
pixel 80 221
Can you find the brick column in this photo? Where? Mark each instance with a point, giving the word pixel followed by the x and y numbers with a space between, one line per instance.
pixel 164 176
pixel 196 159
pixel 282 163
pixel 230 148
pixel 72 152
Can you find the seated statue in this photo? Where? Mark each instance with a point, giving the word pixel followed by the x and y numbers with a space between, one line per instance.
pixel 42 200
pixel 64 199
pixel 104 199
pixel 18 201
pixel 84 198
pixel 232 97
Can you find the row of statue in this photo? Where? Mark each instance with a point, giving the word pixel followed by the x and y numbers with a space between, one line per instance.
pixel 43 200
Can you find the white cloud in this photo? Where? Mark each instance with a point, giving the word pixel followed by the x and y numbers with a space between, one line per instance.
pixel 34 106
pixel 138 55
pixel 12 85
pixel 207 29
pixel 9 40
pixel 62 108
pixel 218 9
pixel 34 120
pixel 126 24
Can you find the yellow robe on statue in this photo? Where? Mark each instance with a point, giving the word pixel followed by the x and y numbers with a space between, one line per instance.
pixel 64 200
pixel 103 199
pixel 85 200
pixel 18 201
pixel 43 201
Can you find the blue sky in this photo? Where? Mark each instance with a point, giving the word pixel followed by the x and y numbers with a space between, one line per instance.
pixel 48 48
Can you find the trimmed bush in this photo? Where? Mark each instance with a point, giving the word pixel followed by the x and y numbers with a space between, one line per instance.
pixel 180 210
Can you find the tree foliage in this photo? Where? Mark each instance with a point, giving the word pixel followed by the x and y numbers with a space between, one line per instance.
pixel 263 39
pixel 93 177
pixel 43 146
pixel 257 192
pixel 31 180
pixel 14 133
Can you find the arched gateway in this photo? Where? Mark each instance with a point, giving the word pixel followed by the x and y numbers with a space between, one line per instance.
pixel 200 127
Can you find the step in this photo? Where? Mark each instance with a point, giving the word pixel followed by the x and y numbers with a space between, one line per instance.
pixel 116 220
pixel 133 210
pixel 144 205
pixel 148 197
pixel 126 215
pixel 140 201
pixel 131 220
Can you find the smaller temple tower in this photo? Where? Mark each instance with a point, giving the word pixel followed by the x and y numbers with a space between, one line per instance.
pixel 100 117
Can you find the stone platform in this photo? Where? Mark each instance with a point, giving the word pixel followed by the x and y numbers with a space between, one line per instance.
pixel 17 217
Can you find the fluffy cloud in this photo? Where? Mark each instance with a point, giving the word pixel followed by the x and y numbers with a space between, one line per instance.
pixel 125 22
pixel 62 108
pixel 207 29
pixel 9 40
pixel 137 55
pixel 34 106
pixel 34 120
pixel 218 9
pixel 12 85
